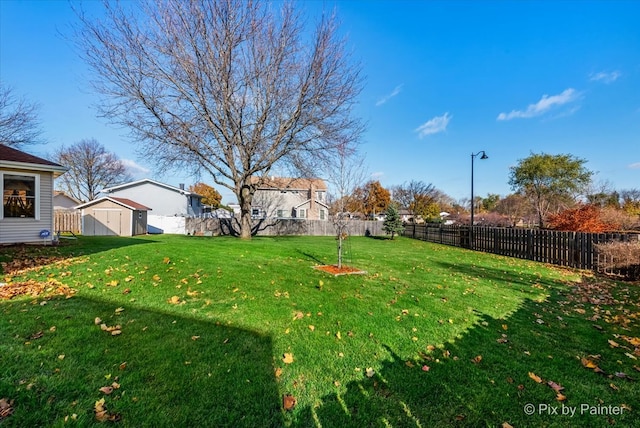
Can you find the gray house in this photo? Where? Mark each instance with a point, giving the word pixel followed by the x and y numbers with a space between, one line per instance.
pixel 163 199
pixel 26 185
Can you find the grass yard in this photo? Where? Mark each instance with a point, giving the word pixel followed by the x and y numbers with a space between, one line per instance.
pixel 195 331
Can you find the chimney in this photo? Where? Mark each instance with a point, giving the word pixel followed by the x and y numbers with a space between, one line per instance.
pixel 181 185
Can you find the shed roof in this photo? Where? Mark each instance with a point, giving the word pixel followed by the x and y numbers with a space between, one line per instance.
pixel 127 203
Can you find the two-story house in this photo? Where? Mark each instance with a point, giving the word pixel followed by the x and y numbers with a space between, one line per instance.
pixel 281 197
pixel 165 200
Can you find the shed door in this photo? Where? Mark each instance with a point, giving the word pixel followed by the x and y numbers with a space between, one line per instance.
pixel 107 222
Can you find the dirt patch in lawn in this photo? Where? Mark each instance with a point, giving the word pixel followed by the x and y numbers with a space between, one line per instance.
pixel 344 270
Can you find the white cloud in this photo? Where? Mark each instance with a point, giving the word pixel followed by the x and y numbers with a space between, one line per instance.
pixel 605 77
pixel 387 97
pixel 134 168
pixel 635 165
pixel 377 174
pixel 545 104
pixel 433 126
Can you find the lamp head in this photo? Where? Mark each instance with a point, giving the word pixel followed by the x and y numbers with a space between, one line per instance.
pixel 484 156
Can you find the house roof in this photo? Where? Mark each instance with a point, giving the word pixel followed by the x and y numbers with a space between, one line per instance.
pixel 127 203
pixel 61 193
pixel 149 181
pixel 14 158
pixel 289 183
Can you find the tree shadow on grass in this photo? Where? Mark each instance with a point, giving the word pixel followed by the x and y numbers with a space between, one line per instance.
pixel 506 275
pixel 171 370
pixel 482 379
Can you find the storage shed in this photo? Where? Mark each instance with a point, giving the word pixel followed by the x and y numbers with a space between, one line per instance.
pixel 113 216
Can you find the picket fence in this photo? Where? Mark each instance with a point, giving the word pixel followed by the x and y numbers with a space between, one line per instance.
pixel 572 249
pixel 67 221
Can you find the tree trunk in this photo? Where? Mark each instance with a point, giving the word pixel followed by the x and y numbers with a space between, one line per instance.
pixel 246 196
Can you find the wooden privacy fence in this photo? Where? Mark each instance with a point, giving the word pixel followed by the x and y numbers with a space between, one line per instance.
pixel 573 249
pixel 67 221
pixel 279 227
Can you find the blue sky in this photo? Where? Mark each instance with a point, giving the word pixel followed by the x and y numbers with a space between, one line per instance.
pixel 443 80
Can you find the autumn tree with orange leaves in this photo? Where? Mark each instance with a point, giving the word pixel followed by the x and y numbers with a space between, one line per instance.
pixel 584 218
pixel 210 196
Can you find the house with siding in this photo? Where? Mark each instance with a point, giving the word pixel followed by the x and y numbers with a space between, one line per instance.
pixel 62 201
pixel 282 197
pixel 163 199
pixel 26 186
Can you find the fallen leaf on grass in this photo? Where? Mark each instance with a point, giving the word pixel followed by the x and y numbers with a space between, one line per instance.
pixel 614 387
pixel 613 343
pixel 287 358
pixel 106 390
pixel 476 359
pixel 278 372
pixel 97 321
pixel 506 425
pixel 561 397
pixel 535 377
pixel 174 300
pixel 555 386
pixel 370 372
pixel 123 366
pixel 426 368
pixel 589 364
pixel 288 402
pixel 6 408
pixel 298 315
pixel 37 335
pixel 101 413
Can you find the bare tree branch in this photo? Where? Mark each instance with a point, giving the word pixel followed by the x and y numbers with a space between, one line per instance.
pixel 91 168
pixel 19 122
pixel 231 87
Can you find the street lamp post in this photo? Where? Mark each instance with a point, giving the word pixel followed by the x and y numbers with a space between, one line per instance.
pixel 473 156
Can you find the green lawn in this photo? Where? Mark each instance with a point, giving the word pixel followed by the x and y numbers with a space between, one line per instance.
pixel 429 336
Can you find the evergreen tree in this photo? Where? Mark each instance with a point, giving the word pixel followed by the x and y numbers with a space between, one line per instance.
pixel 392 222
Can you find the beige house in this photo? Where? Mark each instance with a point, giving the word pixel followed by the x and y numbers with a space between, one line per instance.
pixel 113 216
pixel 26 186
pixel 281 197
pixel 62 201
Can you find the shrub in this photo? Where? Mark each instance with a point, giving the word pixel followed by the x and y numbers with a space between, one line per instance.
pixel 623 257
pixel 584 218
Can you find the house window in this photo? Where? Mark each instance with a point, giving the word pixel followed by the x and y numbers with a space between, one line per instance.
pixel 255 212
pixel 321 214
pixel 320 196
pixel 19 196
pixel 302 213
pixel 280 213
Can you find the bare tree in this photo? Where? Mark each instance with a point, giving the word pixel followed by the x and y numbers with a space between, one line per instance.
pixel 346 174
pixel 415 197
pixel 19 122
pixel 233 88
pixel 91 168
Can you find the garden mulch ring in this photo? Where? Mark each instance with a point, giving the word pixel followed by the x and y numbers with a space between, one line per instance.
pixel 336 271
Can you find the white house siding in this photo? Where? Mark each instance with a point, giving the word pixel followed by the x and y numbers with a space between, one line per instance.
pixel 27 230
pixel 162 200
